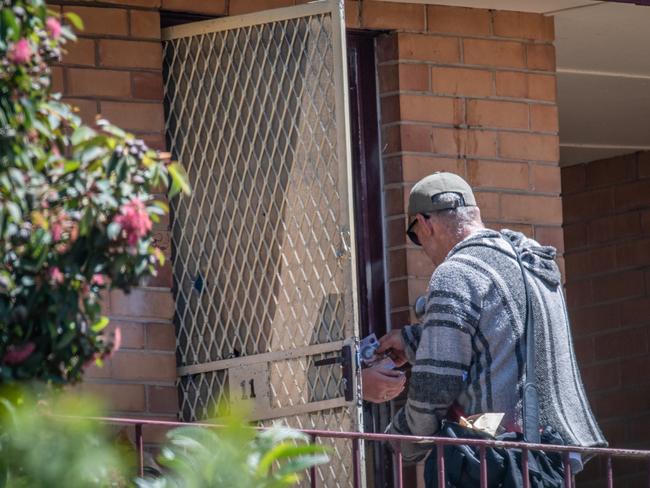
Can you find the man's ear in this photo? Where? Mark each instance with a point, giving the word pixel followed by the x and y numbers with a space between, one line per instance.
pixel 425 225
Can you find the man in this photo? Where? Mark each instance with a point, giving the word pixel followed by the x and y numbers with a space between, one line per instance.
pixel 469 349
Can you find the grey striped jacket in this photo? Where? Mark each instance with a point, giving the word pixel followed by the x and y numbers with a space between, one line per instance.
pixel 469 348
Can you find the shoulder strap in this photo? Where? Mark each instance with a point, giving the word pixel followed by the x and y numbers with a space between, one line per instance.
pixel 531 397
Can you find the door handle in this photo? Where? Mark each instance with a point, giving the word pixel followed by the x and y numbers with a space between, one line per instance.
pixel 345 360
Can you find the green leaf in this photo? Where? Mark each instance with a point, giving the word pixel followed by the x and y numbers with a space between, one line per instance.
pixel 71 166
pixel 82 134
pixel 100 324
pixel 93 152
pixel 179 180
pixel 75 20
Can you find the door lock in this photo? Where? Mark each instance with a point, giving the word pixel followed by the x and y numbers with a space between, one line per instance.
pixel 345 360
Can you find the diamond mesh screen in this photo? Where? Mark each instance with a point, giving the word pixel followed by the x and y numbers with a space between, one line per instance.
pixel 257 264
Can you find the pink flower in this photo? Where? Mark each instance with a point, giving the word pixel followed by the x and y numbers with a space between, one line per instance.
pixel 117 342
pixel 53 27
pixel 20 52
pixel 134 220
pixel 57 231
pixel 18 354
pixel 56 276
pixel 98 279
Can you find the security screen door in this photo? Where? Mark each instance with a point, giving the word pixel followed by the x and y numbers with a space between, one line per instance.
pixel 263 249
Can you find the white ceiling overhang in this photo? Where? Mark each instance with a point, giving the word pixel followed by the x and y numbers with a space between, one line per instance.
pixel 603 73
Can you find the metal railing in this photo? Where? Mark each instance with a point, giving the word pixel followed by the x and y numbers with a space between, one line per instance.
pixel 356 437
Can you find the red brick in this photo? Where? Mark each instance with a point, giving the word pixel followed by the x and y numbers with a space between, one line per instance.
pixel 400 319
pixel 394 201
pixel 124 398
pixel 614 227
pixel 415 168
pixel 132 333
pixel 414 77
pixel 636 370
pixel 544 118
pixel 396 263
pixel 498 114
pixel 635 253
pixel 590 261
pixel 86 109
pixel 57 79
pixel 80 52
pixel 417 286
pixel 395 231
pixel 102 21
pixel 390 15
pixel 246 6
pixel 210 7
pixel 608 172
pixel 390 109
pixel 579 293
pixel 593 319
pixel 418 263
pixel 143 302
pixel 631 196
pixel 160 337
pixel 130 54
pixel 162 399
pixel 137 3
pixel 164 277
pixel 523 25
pixel 574 178
pixel 489 203
pixel 628 403
pixel 455 20
pixel 575 235
pixel 584 349
pixel 492 174
pixel 601 377
pixel 391 139
pixel 144 366
pixel 531 209
pixel 392 170
pixel 424 47
pixel 550 236
pixel 464 143
pixel 388 78
pixel 581 206
pixel 145 117
pixel 461 81
pixel 626 284
pixel 644 164
pixel 530 147
pixel 540 56
pixel 146 24
pixel 416 138
pixel 621 343
pixel 494 53
pixel 352 14
pixel 147 85
pixel 524 85
pixel 93 82
pixel 386 47
pixel 545 179
pixel 423 108
pixel 636 311
pixel 154 141
pixel 398 293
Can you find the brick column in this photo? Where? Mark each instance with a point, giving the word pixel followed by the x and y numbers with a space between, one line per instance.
pixel 473 92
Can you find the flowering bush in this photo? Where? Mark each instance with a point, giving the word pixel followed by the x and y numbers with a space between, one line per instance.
pixel 76 208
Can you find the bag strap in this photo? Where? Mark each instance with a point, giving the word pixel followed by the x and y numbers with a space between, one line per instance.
pixel 531 396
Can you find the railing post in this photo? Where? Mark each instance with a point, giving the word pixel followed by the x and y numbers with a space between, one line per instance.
pixel 567 469
pixel 398 470
pixel 356 472
pixel 312 469
pixel 440 459
pixel 524 467
pixel 139 441
pixel 610 473
pixel 483 466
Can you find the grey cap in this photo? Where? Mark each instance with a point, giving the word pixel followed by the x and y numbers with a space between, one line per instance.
pixel 421 197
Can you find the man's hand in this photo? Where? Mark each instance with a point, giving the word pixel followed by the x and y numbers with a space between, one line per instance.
pixel 393 344
pixel 381 385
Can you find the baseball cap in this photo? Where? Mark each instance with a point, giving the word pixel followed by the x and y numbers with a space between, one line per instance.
pixel 421 198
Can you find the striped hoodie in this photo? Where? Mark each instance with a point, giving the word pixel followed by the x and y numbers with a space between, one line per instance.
pixel 470 345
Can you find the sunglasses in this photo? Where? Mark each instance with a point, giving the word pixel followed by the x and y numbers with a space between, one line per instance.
pixel 411 233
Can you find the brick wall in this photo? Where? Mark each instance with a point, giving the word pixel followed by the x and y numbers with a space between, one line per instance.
pixel 115 69
pixel 607 237
pixel 470 91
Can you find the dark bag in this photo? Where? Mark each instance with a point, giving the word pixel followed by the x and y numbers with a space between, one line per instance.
pixel 463 466
pixel 462 463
